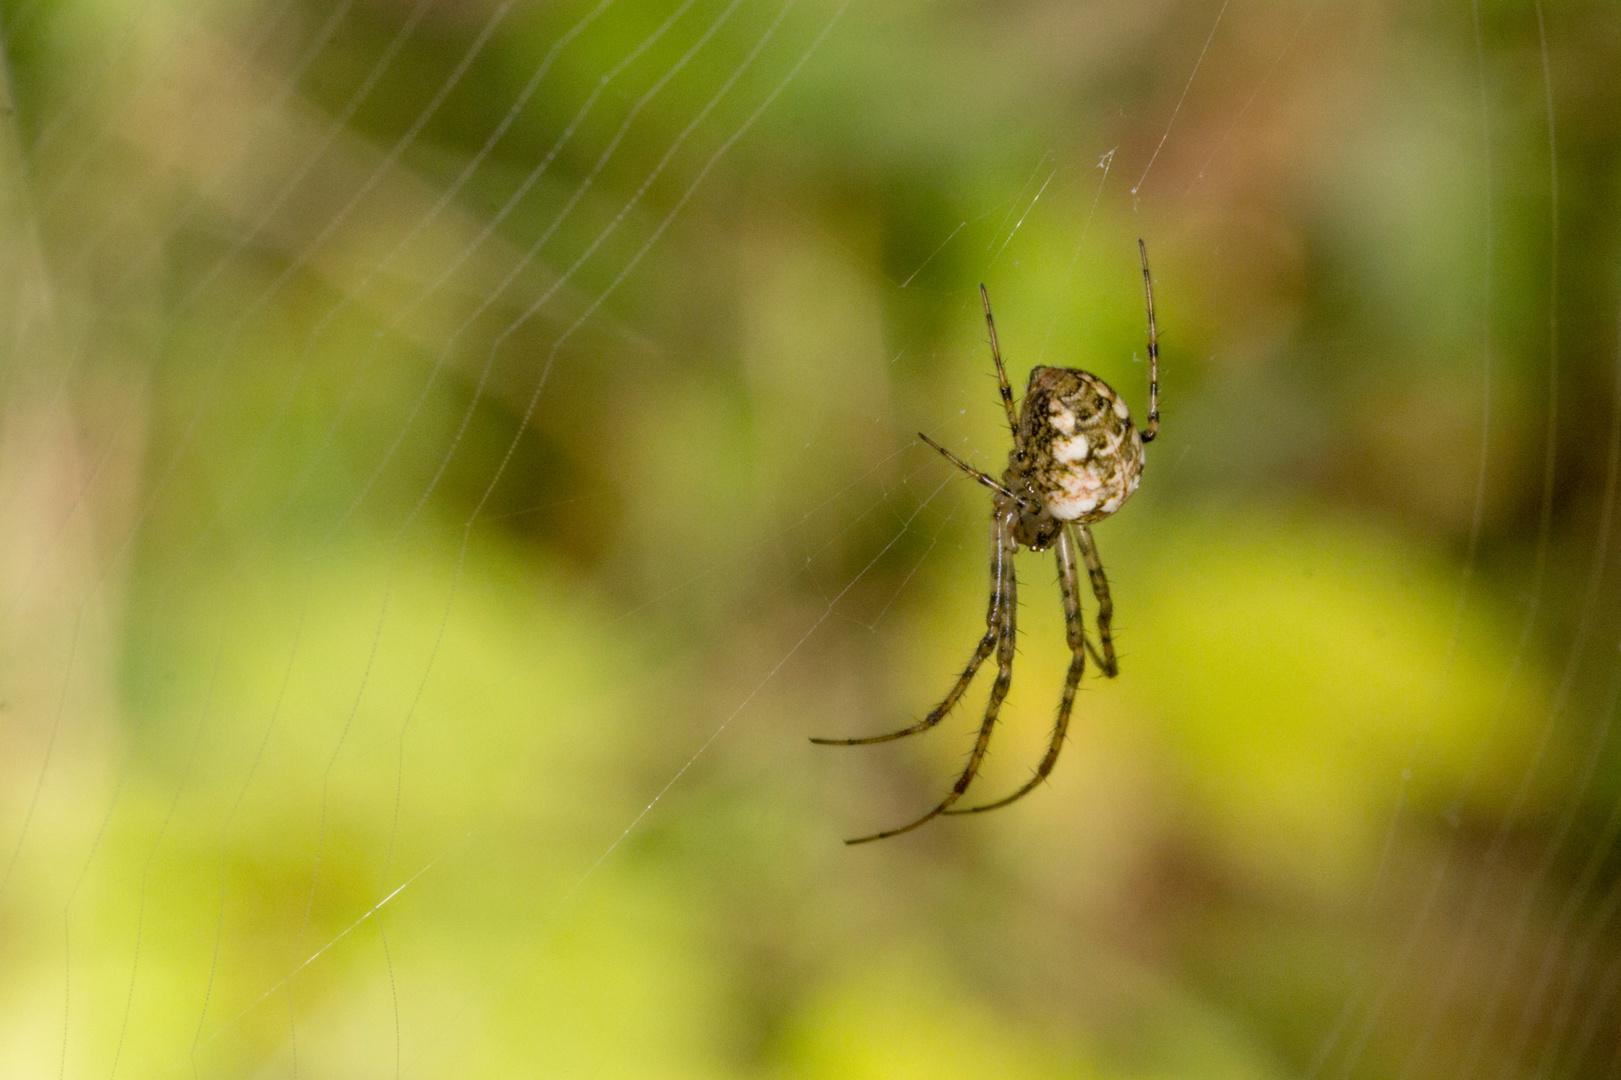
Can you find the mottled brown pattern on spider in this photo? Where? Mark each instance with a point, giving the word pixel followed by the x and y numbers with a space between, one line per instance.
pixel 1076 458
pixel 1083 456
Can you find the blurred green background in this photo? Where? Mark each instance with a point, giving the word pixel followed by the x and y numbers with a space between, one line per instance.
pixel 454 453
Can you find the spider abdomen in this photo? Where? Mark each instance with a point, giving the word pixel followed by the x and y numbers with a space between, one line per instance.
pixel 1083 455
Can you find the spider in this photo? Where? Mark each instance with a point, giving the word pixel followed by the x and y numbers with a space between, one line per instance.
pixel 1076 457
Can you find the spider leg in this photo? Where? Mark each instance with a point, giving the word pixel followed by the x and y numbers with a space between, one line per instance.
pixel 1152 428
pixel 1069 582
pixel 1001 568
pixel 1006 638
pixel 982 478
pixel 1100 589
pixel 1001 372
pixel 992 633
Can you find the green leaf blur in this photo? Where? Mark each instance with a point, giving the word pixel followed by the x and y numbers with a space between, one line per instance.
pixel 453 454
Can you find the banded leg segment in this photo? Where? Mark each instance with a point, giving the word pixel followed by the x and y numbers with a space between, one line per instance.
pixel 1069 582
pixel 1152 427
pixel 1100 589
pixel 1001 568
pixel 1006 639
pixel 1001 372
pixel 983 478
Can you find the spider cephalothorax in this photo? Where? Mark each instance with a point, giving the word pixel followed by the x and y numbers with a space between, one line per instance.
pixel 1076 458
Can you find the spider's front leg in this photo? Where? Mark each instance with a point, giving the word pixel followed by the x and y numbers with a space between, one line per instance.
pixel 1004 634
pixel 1100 589
pixel 1069 583
pixel 1001 565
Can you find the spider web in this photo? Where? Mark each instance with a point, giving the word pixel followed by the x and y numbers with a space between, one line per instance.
pixel 454 454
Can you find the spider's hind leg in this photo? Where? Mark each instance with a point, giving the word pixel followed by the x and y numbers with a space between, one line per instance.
pixel 1001 371
pixel 1151 429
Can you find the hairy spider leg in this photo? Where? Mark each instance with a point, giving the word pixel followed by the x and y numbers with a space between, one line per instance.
pixel 1069 582
pixel 1000 566
pixel 1152 427
pixel 982 478
pixel 1007 587
pixel 1001 372
pixel 1100 589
